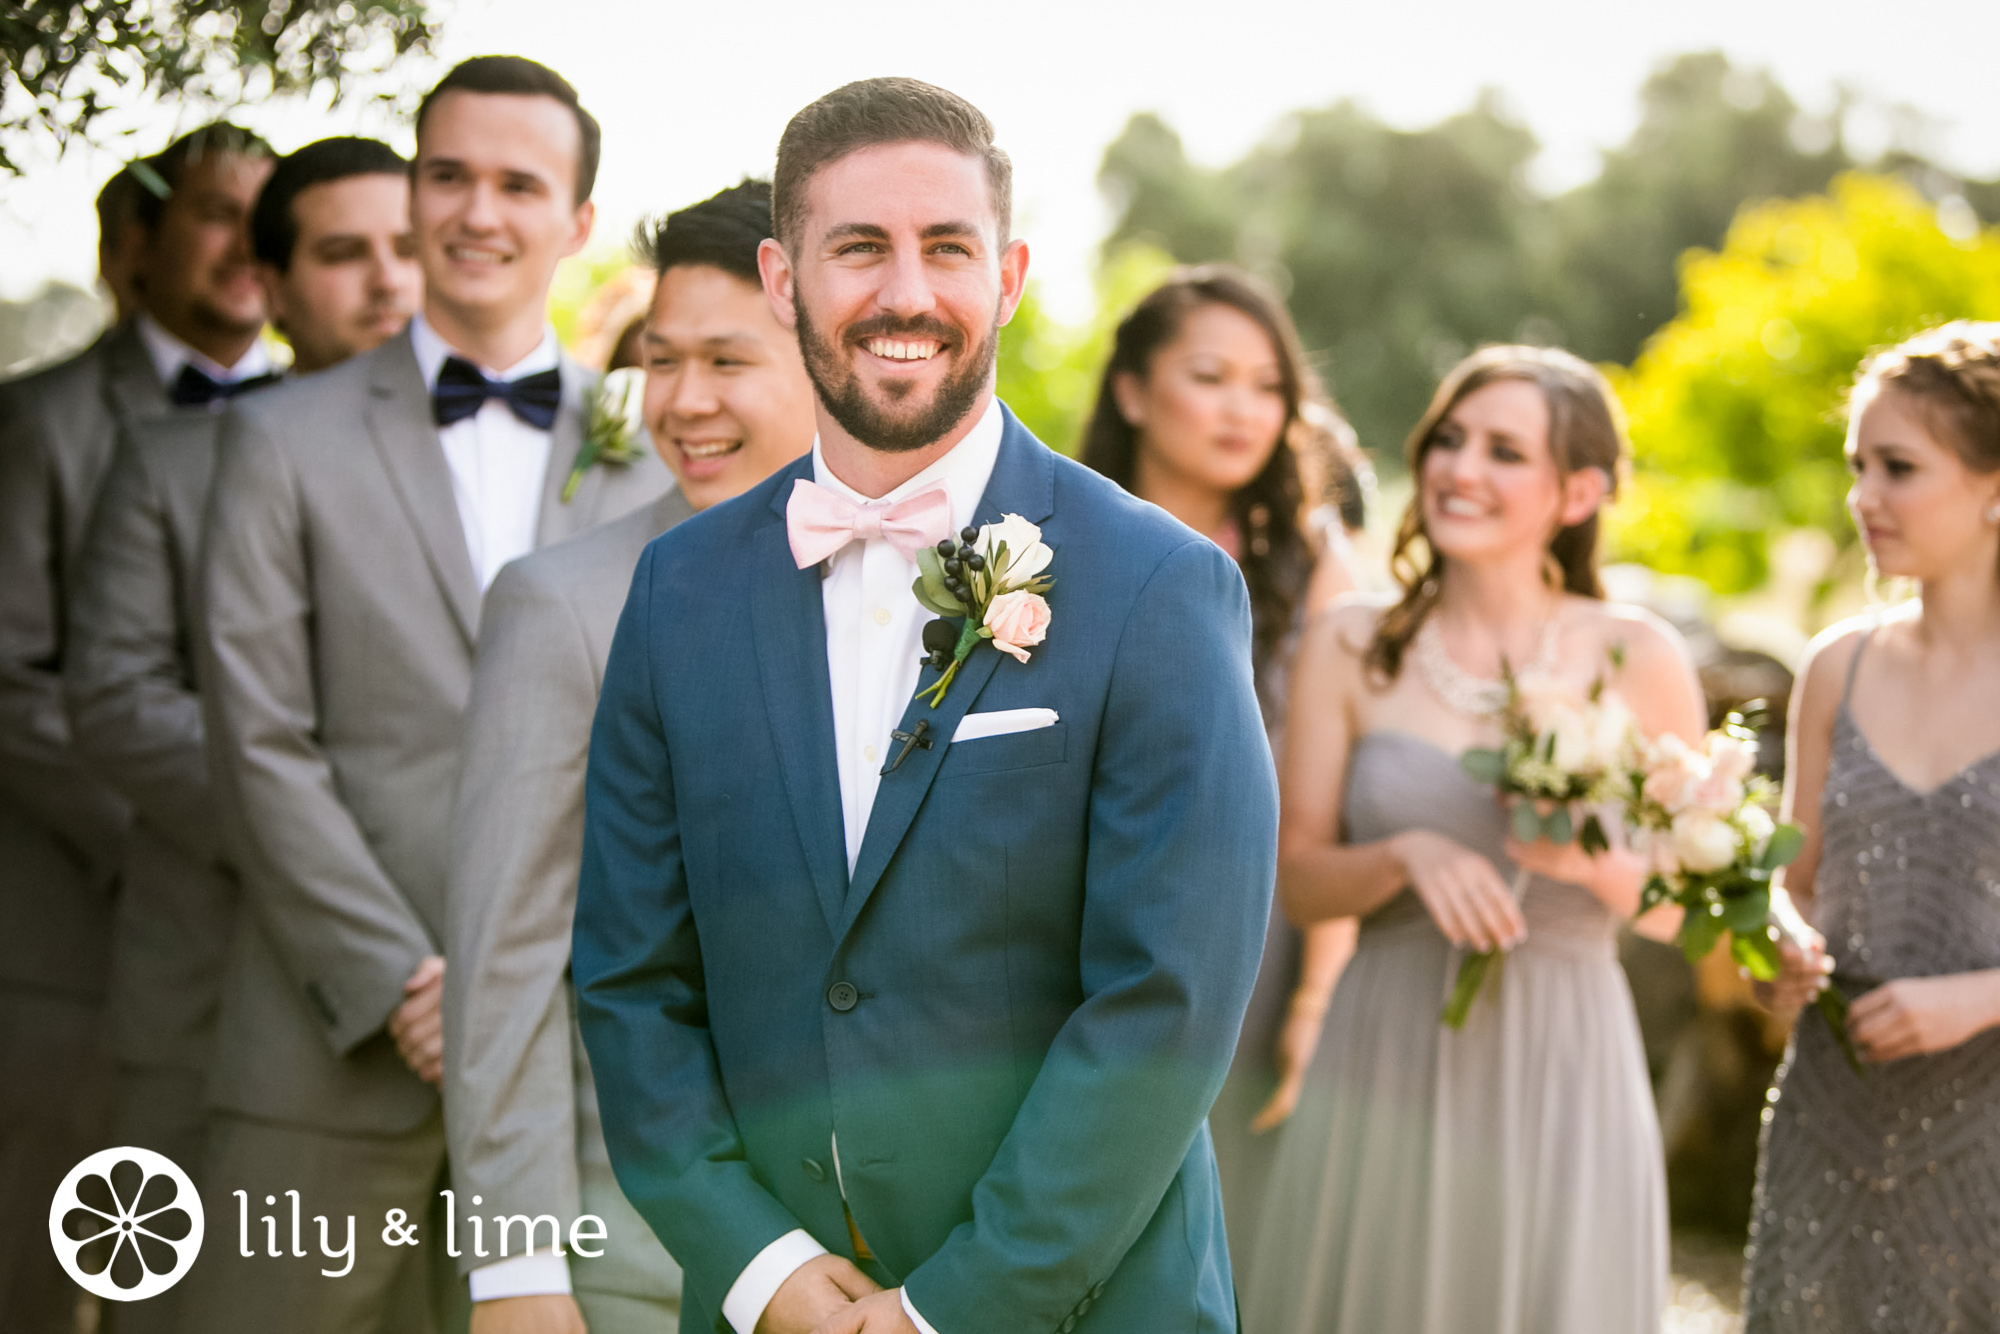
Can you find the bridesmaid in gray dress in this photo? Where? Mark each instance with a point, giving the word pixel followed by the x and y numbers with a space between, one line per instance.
pixel 1506 1178
pixel 1208 409
pixel 1878 1203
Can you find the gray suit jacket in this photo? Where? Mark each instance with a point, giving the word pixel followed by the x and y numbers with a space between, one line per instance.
pixel 520 1104
pixel 61 829
pixel 341 615
pixel 135 711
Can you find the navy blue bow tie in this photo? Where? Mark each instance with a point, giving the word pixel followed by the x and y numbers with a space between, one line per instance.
pixel 194 388
pixel 462 389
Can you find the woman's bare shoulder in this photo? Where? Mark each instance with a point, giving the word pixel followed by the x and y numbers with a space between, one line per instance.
pixel 1643 637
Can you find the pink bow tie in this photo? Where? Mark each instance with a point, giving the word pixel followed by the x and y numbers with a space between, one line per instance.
pixel 820 522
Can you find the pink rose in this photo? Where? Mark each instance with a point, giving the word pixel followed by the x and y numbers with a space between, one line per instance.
pixel 1018 621
pixel 1673 772
pixel 1731 758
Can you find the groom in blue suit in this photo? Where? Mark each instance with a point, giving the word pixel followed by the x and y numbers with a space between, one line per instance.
pixel 906 1013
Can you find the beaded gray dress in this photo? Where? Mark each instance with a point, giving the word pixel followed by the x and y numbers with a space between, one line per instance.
pixel 1505 1179
pixel 1878 1199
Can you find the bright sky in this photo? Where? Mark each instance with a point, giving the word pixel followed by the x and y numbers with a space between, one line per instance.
pixel 692 96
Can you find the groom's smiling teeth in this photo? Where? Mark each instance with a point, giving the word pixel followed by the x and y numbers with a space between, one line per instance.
pixel 896 349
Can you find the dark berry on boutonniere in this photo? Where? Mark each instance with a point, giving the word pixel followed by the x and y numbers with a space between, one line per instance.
pixel 991 584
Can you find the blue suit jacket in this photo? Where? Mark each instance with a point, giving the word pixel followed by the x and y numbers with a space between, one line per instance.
pixel 1017 1010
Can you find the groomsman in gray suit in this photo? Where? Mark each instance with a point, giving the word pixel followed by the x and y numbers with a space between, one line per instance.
pixel 61 829
pixel 331 230
pixel 727 404
pixel 356 519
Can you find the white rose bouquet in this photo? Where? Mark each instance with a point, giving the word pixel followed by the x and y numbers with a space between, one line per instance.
pixel 1701 818
pixel 1564 752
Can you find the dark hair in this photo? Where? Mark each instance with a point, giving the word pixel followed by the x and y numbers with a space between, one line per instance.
pixel 117 204
pixel 520 77
pixel 723 230
pixel 1271 511
pixel 1586 430
pixel 274 227
pixel 882 111
pixel 160 175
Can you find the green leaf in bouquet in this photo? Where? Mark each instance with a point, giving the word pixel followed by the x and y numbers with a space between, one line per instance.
pixel 1592 838
pixel 1783 847
pixel 1558 826
pixel 943 604
pixel 1484 765
pixel 1526 821
pixel 1699 932
pixel 1748 912
pixel 1756 951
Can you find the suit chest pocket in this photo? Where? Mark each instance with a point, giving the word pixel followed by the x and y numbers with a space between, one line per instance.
pixel 1014 750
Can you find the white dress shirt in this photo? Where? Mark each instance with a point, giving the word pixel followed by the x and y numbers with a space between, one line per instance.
pixel 498 462
pixel 874 651
pixel 168 354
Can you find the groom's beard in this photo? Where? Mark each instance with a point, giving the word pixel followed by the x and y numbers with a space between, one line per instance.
pixel 840 388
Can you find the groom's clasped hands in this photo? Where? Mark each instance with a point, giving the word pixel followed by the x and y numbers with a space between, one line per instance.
pixel 829 1295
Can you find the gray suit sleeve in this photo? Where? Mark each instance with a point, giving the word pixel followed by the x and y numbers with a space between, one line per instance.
pixel 40 771
pixel 346 934
pixel 132 702
pixel 517 839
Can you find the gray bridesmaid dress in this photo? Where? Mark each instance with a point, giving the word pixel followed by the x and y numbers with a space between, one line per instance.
pixel 1878 1199
pixel 1506 1179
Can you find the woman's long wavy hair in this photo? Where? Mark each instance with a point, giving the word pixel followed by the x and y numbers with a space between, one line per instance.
pixel 1586 430
pixel 1308 469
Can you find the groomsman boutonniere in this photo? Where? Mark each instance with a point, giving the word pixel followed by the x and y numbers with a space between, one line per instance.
pixel 612 416
pixel 991 582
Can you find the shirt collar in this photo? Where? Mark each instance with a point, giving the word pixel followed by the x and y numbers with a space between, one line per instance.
pixel 168 354
pixel 431 350
pixel 965 470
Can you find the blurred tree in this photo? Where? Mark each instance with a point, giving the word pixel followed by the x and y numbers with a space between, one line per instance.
pixel 1711 136
pixel 1734 405
pixel 1399 250
pixel 1048 371
pixel 60 59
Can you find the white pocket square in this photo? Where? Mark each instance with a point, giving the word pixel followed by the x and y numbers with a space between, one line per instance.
pixel 1001 722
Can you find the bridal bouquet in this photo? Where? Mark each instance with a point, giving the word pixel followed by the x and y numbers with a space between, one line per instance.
pixel 1563 753
pixel 1702 820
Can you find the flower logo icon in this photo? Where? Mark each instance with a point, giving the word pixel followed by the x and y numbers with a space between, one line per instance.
pixel 126 1224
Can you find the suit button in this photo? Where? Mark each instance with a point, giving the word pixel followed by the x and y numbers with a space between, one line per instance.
pixel 842 996
pixel 1067 1326
pixel 813 1169
pixel 1096 1291
pixel 1083 1307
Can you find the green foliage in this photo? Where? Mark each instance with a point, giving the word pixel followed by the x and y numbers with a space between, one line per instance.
pixel 1735 405
pixel 1048 371
pixel 1402 250
pixel 61 59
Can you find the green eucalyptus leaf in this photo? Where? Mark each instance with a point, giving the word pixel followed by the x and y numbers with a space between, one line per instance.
pixel 945 605
pixel 1783 847
pixel 1755 952
pixel 1592 838
pixel 1485 766
pixel 1558 826
pixel 1699 932
pixel 1527 823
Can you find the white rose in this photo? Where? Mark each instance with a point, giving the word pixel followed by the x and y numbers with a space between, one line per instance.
pixel 1757 825
pixel 1612 730
pixel 1575 740
pixel 1703 842
pixel 624 393
pixel 1027 555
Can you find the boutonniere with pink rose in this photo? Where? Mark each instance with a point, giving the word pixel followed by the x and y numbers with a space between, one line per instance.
pixel 991 583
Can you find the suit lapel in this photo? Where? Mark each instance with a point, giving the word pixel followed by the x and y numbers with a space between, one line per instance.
pixel 130 383
pixel 559 518
pixel 399 422
pixel 789 625
pixel 1023 483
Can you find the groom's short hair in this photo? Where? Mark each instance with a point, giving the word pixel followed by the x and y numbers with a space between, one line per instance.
pixel 882 111
pixel 722 231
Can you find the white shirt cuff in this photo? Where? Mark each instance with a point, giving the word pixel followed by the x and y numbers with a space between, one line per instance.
pixel 533 1275
pixel 762 1277
pixel 923 1325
